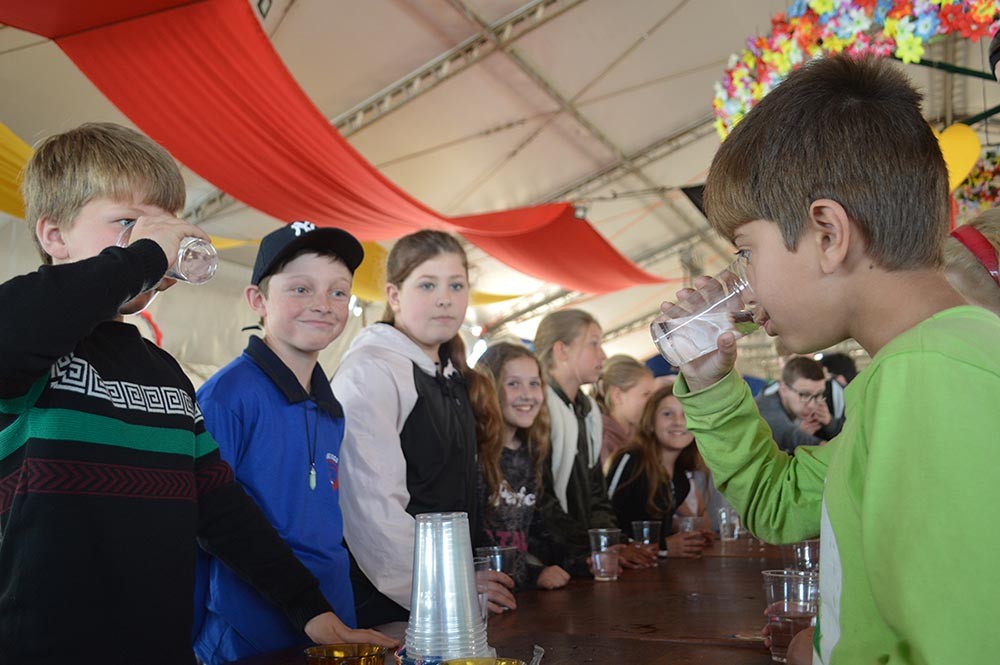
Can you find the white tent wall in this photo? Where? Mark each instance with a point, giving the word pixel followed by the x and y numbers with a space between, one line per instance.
pixel 640 72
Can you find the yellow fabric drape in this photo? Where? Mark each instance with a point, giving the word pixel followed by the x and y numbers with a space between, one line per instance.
pixel 14 154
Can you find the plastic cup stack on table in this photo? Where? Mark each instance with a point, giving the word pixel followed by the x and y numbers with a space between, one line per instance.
pixel 445 618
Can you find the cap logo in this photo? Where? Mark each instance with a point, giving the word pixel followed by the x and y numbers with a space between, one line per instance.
pixel 302 227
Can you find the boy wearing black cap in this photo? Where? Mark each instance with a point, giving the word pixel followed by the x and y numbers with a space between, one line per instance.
pixel 280 428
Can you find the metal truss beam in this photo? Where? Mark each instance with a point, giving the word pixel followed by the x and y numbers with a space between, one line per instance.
pixel 502 33
pixel 571 109
pixel 547 301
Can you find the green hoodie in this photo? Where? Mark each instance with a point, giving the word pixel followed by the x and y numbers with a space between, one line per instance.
pixel 906 500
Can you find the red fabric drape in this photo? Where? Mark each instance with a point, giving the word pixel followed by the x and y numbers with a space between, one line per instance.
pixel 203 80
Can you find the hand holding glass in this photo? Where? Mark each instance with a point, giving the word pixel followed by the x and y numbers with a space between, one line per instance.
pixel 690 328
pixel 604 553
pixel 792 600
pixel 196 261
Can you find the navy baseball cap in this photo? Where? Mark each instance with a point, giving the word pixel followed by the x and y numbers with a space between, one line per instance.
pixel 290 238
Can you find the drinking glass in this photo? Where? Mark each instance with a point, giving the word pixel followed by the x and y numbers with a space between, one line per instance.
pixel 690 328
pixel 729 524
pixel 197 259
pixel 604 553
pixel 792 600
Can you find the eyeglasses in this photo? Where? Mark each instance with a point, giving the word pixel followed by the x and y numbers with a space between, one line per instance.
pixel 808 398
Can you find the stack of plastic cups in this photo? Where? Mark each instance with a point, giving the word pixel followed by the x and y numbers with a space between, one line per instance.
pixel 445 618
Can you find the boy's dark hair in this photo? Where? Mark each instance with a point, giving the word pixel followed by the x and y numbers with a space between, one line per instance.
pixel 840 364
pixel 801 367
pixel 844 129
pixel 96 160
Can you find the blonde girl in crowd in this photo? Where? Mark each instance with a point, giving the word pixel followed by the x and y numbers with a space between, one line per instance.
pixel 410 439
pixel 624 387
pixel 568 347
pixel 648 479
pixel 512 455
pixel 971 258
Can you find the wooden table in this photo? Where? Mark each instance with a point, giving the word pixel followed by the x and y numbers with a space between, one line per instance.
pixel 707 610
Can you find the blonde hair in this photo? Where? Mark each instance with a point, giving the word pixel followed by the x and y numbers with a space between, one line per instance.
pixel 562 326
pixel 97 160
pixel 964 270
pixel 622 372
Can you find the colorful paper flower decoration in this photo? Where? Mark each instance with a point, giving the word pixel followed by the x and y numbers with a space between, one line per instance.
pixel 981 190
pixel 812 28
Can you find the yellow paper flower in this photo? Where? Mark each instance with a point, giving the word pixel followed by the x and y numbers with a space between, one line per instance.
pixel 821 6
pixel 909 48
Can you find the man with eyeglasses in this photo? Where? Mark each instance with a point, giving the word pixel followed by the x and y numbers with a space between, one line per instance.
pixel 797 413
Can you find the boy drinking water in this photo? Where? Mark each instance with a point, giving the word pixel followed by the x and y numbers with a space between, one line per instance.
pixel 107 475
pixel 835 191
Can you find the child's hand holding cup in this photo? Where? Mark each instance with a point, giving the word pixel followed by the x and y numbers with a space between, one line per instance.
pixel 689 329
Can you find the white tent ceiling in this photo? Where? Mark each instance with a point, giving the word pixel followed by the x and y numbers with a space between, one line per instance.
pixel 593 101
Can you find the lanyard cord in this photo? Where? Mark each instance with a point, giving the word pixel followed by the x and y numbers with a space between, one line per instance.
pixel 311 443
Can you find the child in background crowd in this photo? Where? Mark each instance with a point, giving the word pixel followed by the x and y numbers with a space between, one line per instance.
pixel 648 478
pixel 410 439
pixel 834 189
pixel 623 388
pixel 512 457
pixel 970 257
pixel 280 427
pixel 107 474
pixel 568 347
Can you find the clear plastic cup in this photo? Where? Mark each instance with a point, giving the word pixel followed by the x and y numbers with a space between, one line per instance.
pixel 646 533
pixel 792 601
pixel 690 328
pixel 687 523
pixel 729 524
pixel 501 559
pixel 197 259
pixel 604 553
pixel 482 566
pixel 445 616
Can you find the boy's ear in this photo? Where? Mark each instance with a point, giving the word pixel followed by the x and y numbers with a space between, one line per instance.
pixel 832 231
pixel 50 236
pixel 256 299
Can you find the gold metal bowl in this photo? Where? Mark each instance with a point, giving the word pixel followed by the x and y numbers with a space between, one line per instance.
pixel 346 654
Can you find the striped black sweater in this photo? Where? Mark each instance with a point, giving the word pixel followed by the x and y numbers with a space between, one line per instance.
pixel 108 477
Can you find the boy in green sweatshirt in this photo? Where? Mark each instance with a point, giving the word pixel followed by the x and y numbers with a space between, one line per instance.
pixel 834 189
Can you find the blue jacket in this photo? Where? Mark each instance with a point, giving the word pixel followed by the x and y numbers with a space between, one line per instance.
pixel 271 432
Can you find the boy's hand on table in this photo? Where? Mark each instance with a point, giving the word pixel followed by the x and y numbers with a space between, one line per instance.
pixel 326 628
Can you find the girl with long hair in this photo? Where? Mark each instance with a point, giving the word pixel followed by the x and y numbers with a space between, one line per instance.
pixel 410 439
pixel 622 390
pixel 648 478
pixel 568 347
pixel 511 462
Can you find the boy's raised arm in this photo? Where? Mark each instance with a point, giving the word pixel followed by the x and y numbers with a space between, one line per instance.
pixel 779 497
pixel 47 312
